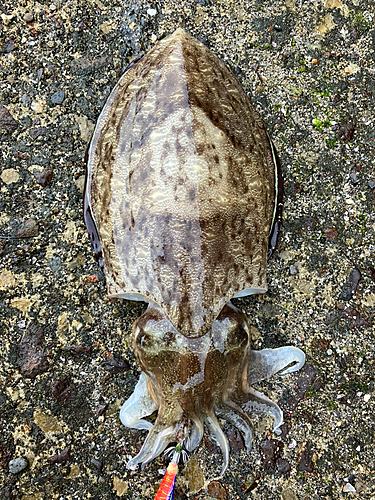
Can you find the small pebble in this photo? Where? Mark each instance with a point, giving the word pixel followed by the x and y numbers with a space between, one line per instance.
pixel 115 365
pixel 60 458
pixel 329 352
pixel 292 270
pixel 25 100
pixel 58 97
pixel 354 178
pixel 236 441
pixel 7 123
pixel 62 391
pixel 366 398
pixel 152 12
pixel 288 494
pixel 306 458
pixel 271 450
pixel 282 466
pixel 346 131
pixel 9 175
pixel 28 17
pixel 54 263
pixel 37 106
pixel 9 45
pixel 17 465
pixel 28 228
pixel 43 178
pixel 194 475
pixel 293 444
pixel 371 184
pixel 96 463
pixel 36 132
pixel 32 359
pixel 217 490
pixel 330 233
pixel 348 487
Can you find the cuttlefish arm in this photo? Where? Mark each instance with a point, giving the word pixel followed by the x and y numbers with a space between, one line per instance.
pixel 139 405
pixel 267 362
pixel 263 365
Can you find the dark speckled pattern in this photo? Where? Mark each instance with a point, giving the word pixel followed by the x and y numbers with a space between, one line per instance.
pixel 181 184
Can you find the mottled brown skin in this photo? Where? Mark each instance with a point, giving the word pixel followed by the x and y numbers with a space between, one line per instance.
pixel 179 202
pixel 182 185
pixel 193 380
pixel 171 366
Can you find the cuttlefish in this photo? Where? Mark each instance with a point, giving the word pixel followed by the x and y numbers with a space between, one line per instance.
pixel 183 205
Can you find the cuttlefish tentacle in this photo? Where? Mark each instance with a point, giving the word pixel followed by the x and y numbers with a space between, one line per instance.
pixel 215 429
pixel 155 443
pixel 257 402
pixel 265 363
pixel 262 365
pixel 195 434
pixel 163 438
pixel 233 414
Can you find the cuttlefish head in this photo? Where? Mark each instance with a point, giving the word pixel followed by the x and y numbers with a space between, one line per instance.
pixel 192 381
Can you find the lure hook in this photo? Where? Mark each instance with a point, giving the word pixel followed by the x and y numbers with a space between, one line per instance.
pixel 166 488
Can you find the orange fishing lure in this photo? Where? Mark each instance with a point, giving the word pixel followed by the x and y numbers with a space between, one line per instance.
pixel 166 488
